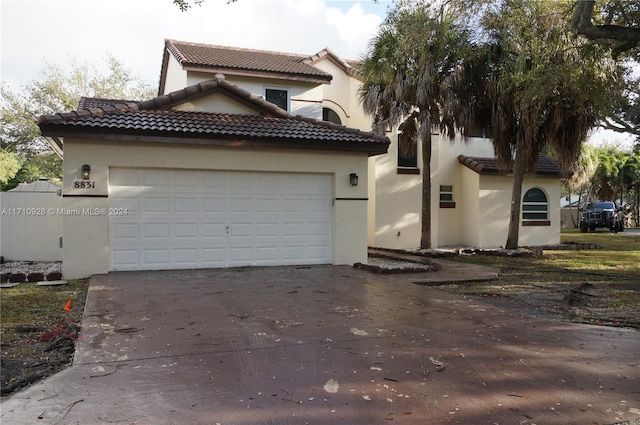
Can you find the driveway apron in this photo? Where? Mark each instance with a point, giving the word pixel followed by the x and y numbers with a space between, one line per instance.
pixel 325 345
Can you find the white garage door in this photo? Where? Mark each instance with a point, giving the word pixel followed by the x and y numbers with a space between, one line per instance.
pixel 178 219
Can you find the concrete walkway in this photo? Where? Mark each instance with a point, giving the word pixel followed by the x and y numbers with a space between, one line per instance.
pixel 325 345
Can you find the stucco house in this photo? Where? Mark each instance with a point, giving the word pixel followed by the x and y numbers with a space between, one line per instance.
pixel 251 157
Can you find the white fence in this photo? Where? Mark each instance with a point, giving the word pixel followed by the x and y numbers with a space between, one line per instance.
pixel 30 226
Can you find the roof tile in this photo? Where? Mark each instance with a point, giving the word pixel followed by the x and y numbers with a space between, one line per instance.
pixel 233 59
pixel 152 118
pixel 546 166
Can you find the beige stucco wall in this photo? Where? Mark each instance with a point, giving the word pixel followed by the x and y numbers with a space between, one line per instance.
pixel 305 98
pixel 86 249
pixel 30 226
pixel 449 224
pixel 217 103
pixel 495 199
pixel 176 77
pixel 481 214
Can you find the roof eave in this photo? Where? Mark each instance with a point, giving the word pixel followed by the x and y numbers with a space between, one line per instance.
pixel 258 74
pixel 371 148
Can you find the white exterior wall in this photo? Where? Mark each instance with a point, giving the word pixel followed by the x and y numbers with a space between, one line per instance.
pixel 305 98
pixel 471 211
pixel 495 201
pixel 176 77
pixel 341 96
pixel 31 226
pixel 447 224
pixel 481 214
pixel 216 103
pixel 85 249
pixel 398 201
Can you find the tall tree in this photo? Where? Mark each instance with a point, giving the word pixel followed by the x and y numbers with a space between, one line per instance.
pixel 613 23
pixel 405 73
pixel 545 88
pixel 9 166
pixel 56 90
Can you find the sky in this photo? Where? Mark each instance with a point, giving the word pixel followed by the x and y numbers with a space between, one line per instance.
pixel 34 33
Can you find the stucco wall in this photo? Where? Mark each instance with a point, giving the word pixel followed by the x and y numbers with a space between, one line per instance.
pixel 495 200
pixel 176 78
pixel 305 98
pixel 86 249
pixel 480 217
pixel 31 226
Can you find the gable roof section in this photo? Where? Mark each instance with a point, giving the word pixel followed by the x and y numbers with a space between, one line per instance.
pixel 246 62
pixel 345 66
pixel 546 167
pixel 155 121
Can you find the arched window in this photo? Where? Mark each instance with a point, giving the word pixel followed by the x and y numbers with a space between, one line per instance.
pixel 331 116
pixel 535 206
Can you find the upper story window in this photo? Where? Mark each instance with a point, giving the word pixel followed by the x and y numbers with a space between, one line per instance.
pixel 331 116
pixel 535 208
pixel 279 97
pixel 407 154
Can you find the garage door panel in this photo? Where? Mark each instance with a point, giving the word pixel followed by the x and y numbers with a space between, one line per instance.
pixel 218 219
pixel 126 257
pixel 214 204
pixel 214 230
pixel 156 256
pixel 187 181
pixel 186 205
pixel 156 231
pixel 155 205
pixel 125 230
pixel 185 230
pixel 156 180
pixel 184 257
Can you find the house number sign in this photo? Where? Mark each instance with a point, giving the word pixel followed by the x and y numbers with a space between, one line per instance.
pixel 84 184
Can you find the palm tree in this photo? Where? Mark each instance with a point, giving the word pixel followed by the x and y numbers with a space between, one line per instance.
pixel 405 74
pixel 544 88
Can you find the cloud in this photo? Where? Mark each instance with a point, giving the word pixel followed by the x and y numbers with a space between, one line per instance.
pixel 54 31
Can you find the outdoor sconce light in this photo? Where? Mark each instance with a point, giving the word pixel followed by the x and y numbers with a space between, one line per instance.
pixel 86 170
pixel 353 179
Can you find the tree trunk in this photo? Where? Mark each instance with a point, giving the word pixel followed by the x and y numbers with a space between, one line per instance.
pixel 425 239
pixel 516 196
pixel 573 220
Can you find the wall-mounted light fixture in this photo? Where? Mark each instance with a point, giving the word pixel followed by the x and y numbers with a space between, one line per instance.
pixel 86 171
pixel 353 179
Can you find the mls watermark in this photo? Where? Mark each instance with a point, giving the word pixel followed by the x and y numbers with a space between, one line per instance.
pixel 79 212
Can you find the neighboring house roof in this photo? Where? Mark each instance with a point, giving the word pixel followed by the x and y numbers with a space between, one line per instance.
pixel 546 166
pixel 573 201
pixel 246 62
pixel 155 121
pixel 42 185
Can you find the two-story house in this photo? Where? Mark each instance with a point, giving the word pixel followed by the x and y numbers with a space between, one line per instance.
pixel 251 157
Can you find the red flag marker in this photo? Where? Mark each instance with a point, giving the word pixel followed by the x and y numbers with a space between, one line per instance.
pixel 67 306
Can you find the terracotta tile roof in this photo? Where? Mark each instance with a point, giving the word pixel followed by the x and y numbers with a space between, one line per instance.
pixel 237 61
pixel 346 66
pixel 546 166
pixel 155 120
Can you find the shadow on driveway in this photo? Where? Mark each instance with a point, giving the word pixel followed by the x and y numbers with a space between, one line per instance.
pixel 325 345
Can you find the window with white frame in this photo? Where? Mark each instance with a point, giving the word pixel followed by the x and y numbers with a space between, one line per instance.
pixel 535 207
pixel 277 96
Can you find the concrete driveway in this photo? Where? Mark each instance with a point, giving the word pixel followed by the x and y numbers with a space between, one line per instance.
pixel 325 345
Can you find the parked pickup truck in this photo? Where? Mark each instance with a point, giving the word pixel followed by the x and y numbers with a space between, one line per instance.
pixel 601 214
